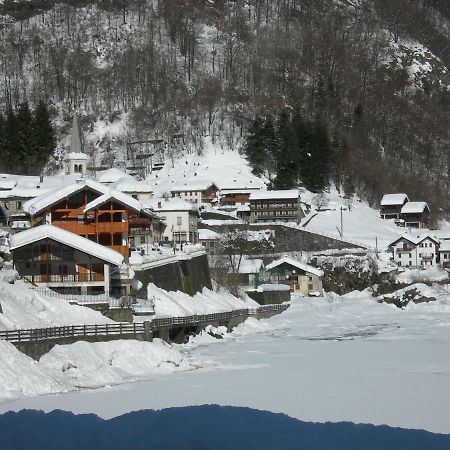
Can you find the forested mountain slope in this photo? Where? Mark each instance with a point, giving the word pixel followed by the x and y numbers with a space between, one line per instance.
pixel 374 73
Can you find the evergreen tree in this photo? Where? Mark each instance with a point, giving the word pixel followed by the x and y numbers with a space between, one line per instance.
pixel 11 142
pixel 255 148
pixel 270 145
pixel 23 130
pixel 43 140
pixel 286 158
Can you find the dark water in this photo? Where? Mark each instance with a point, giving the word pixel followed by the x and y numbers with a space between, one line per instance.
pixel 202 427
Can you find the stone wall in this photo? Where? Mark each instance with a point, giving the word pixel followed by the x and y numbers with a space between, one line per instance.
pixel 189 276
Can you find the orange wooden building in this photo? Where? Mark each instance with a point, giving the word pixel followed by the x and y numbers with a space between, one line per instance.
pixel 93 211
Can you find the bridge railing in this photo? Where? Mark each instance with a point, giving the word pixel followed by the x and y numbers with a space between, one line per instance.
pixel 40 334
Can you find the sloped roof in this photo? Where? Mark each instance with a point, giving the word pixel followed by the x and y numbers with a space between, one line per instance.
pixel 414 208
pixel 42 202
pixel 445 246
pixel 394 199
pixel 275 195
pixel 80 156
pixel 65 237
pixel 294 262
pixel 251 266
pixel 112 175
pixel 170 204
pixel 193 185
pixel 132 185
pixel 414 239
pixel 120 197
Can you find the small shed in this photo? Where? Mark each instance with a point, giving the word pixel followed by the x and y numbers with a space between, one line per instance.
pixel 299 276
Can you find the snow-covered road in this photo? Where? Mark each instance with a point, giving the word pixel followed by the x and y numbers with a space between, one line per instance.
pixel 338 359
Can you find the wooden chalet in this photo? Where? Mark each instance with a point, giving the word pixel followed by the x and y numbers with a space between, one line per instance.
pixel 415 214
pixel 90 210
pixel 391 205
pixel 70 264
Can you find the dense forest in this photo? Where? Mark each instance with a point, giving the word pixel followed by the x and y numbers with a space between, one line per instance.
pixel 368 77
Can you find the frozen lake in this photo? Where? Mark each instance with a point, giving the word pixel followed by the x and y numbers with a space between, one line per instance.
pixel 334 359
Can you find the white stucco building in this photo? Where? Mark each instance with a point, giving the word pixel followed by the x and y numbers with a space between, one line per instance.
pixel 415 251
pixel 179 216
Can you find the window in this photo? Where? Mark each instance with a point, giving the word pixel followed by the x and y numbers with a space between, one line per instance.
pixel 410 263
pixel 399 263
pixel 421 245
pixel 445 256
pixel 420 255
pixel 410 255
pixel 179 221
pixel 117 239
pixel 142 239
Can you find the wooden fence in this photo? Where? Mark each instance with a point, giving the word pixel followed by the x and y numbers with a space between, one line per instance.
pixel 127 329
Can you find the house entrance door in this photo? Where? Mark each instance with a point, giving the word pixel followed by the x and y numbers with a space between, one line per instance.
pixel 82 272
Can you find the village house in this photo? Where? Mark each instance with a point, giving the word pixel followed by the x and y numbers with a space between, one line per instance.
pixel 200 192
pixel 251 272
pixel 299 276
pixel 93 211
pixel 391 205
pixel 140 190
pixel 415 214
pixel 210 240
pixel 415 251
pixel 179 216
pixel 67 263
pixel 232 197
pixel 275 206
pixel 444 255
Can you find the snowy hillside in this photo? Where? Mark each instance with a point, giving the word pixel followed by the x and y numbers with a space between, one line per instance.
pixel 227 168
pixel 360 222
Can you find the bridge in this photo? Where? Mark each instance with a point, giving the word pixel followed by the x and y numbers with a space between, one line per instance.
pixel 36 342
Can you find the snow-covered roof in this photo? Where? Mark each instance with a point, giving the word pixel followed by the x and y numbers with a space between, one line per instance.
pixel 23 192
pixel 120 197
pixel 169 204
pixel 192 185
pixel 79 156
pixel 445 246
pixel 207 234
pixel 393 199
pixel 251 266
pixel 275 195
pixel 294 262
pixel 38 204
pixel 65 237
pixel 243 208
pixel 7 184
pixel 112 175
pixel 132 185
pixel 246 190
pixel 414 239
pixel 414 207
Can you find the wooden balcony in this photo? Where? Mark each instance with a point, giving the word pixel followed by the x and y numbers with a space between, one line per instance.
pixel 72 278
pixel 404 250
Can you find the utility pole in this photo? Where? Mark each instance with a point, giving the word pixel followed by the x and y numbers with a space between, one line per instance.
pixel 342 222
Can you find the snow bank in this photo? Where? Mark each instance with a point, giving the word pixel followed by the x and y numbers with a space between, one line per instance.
pixel 22 376
pixel 24 308
pixel 205 302
pixel 92 365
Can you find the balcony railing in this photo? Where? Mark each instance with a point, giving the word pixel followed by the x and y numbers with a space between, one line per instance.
pixel 69 278
pixel 404 250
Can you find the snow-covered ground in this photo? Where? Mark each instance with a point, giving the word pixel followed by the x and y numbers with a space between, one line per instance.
pixel 227 168
pixel 23 307
pixel 334 359
pixel 360 222
pixel 205 302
